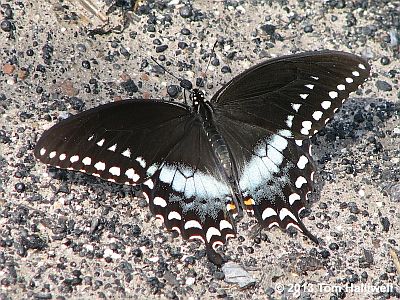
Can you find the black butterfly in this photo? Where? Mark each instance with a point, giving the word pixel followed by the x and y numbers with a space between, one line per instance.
pixel 201 165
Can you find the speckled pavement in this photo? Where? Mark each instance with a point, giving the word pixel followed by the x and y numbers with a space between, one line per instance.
pixel 65 235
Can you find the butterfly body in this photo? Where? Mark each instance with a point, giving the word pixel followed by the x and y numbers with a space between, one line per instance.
pixel 247 148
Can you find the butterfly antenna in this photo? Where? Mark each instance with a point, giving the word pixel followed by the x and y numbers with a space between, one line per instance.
pixel 165 70
pixel 203 79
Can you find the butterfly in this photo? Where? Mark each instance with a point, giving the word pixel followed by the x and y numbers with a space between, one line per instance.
pixel 202 165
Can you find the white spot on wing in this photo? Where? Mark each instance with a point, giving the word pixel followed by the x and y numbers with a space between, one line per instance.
pixel 298 142
pixel 310 86
pixel 304 96
pixel 52 154
pixel 314 77
pixel 341 87
pixel 300 181
pixel 293 197
pixel 130 173
pixel 42 151
pixel 62 156
pixel 306 127
pixel 127 153
pixel 301 164
pixel 361 66
pixel 174 215
pixel 268 212
pixel 141 161
pixel 284 212
pixel 326 104
pixel 113 148
pixel 159 202
pixel 333 94
pixel 296 106
pixel 148 182
pixel 74 158
pixel 192 224
pixel 224 224
pixel 100 143
pixel 317 115
pixel 211 232
pixel 115 171
pixel 349 80
pixel 355 73
pixel 167 174
pixel 289 121
pixel 87 161
pixel 100 166
pixel 90 137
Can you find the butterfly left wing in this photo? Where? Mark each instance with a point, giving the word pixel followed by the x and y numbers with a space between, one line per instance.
pixel 267 113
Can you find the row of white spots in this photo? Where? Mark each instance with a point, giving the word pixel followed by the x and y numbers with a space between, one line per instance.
pixel 100 166
pixel 265 162
pixel 283 213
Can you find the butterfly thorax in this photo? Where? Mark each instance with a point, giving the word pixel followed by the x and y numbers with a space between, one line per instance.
pixel 205 111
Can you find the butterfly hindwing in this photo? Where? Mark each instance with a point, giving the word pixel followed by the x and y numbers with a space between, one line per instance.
pixel 190 194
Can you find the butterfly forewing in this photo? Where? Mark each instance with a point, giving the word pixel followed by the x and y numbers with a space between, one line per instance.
pixel 123 142
pixel 298 92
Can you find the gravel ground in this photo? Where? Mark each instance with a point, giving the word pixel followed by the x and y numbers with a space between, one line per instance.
pixel 65 235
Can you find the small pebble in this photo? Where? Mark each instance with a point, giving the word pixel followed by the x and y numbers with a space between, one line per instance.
pixel 186 12
pixel 383 86
pixel 161 48
pixel 6 25
pixel 308 29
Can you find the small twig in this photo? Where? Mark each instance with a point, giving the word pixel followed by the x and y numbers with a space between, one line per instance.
pixel 395 258
pixel 93 9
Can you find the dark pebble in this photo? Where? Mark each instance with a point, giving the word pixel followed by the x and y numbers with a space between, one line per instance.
pixel 226 69
pixel 383 86
pixel 268 29
pixel 86 64
pixel 385 224
pixel 30 52
pixel 333 246
pixel 215 62
pixel 161 48
pixel 186 84
pixel 20 187
pixel 186 12
pixel 385 60
pixel 325 253
pixel 129 86
pixel 173 90
pixel 6 25
pixel 308 29
pixel 185 31
pixel 182 45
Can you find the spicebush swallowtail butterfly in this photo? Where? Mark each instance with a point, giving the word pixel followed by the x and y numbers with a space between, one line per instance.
pixel 201 165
